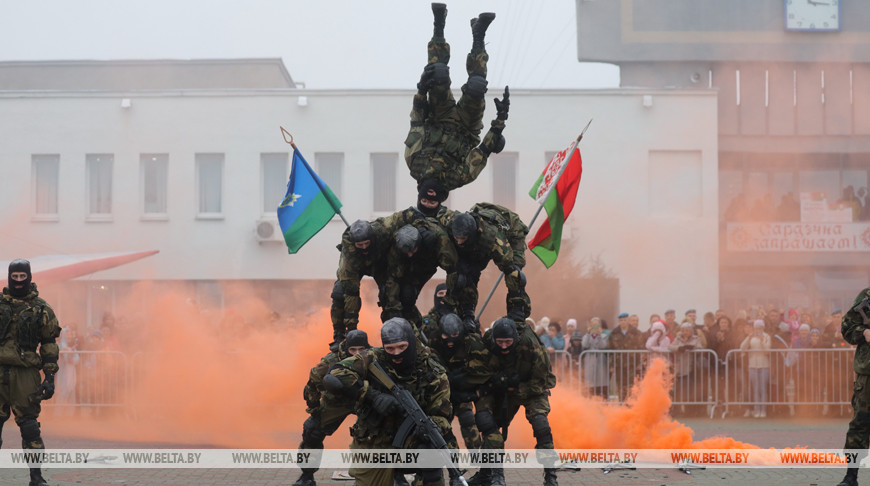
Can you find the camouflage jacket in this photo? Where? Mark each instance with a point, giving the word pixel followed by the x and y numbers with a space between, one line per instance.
pixel 632 339
pixel 428 385
pixel 853 326
pixel 528 360
pixel 313 390
pixel 468 367
pixel 436 250
pixel 25 325
pixel 489 244
pixel 353 265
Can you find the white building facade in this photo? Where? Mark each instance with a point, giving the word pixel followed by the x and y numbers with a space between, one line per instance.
pixel 192 168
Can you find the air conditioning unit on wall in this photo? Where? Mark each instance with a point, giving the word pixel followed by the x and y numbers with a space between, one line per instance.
pixel 268 230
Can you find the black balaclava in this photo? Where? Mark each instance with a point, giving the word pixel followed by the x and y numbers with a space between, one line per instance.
pixel 464 225
pixel 407 239
pixel 362 230
pixel 19 289
pixel 397 330
pixel 451 324
pixel 353 338
pixel 432 190
pixel 504 328
pixel 440 305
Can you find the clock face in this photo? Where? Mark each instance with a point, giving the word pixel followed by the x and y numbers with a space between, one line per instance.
pixel 812 15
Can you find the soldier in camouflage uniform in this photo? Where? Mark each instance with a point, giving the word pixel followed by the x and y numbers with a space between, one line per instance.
pixel 28 330
pixel 363 249
pixel 855 329
pixel 479 241
pixel 431 321
pixel 418 251
pixel 318 427
pixel 523 377
pixel 351 384
pixel 444 140
pixel 467 361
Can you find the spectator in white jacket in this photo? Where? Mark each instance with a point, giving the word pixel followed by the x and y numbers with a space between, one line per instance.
pixel 758 343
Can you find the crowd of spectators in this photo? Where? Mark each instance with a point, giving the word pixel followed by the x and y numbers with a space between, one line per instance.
pixel 788 208
pixel 759 376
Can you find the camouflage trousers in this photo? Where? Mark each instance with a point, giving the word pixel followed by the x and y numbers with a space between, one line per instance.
pixel 445 146
pixel 18 389
pixel 858 436
pixel 468 429
pixel 379 476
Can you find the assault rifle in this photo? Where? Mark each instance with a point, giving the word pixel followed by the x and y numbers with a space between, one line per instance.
pixel 416 421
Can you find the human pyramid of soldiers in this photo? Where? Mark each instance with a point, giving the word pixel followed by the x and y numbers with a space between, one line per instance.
pixel 441 359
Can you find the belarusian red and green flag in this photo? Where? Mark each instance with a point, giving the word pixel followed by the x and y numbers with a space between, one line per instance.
pixel 556 189
pixel 308 205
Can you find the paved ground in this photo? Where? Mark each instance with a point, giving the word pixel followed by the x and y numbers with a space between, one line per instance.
pixel 823 434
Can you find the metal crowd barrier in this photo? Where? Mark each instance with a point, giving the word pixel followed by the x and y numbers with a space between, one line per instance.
pixel 610 374
pixel 90 379
pixel 563 367
pixel 810 379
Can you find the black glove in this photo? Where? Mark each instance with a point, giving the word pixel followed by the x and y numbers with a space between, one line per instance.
pixel 382 403
pixel 502 106
pixel 471 324
pixel 46 389
pixel 427 237
pixel 505 379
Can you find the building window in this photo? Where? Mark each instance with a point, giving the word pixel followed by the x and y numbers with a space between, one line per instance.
pixel 330 167
pixel 275 178
pixel 504 179
pixel 384 182
pixel 155 177
pixel 209 184
pixel 45 184
pixel 99 169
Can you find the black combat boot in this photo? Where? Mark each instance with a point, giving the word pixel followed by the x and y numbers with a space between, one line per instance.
pixel 481 478
pixel 439 11
pixel 36 478
pixel 497 477
pixel 399 479
pixel 478 29
pixel 550 477
pixel 851 478
pixel 306 479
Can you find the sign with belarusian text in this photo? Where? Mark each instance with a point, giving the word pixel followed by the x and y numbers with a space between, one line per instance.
pixel 812 237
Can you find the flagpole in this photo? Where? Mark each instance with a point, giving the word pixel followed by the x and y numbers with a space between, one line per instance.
pixel 285 133
pixel 534 218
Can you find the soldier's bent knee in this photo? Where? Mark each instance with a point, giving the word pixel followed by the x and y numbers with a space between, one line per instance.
pixel 486 422
pixel 541 429
pixel 466 419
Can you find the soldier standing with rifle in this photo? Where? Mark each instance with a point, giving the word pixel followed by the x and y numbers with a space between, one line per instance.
pixel 384 410
pixel 318 427
pixel 27 326
pixel 855 329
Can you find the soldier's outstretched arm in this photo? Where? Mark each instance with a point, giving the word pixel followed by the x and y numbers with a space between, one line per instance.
pixel 49 351
pixel 857 319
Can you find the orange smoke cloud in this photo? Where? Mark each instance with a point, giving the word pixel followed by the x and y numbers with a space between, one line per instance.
pixel 643 422
pixel 234 380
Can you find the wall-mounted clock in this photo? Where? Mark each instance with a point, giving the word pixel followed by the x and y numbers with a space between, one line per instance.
pixel 812 15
